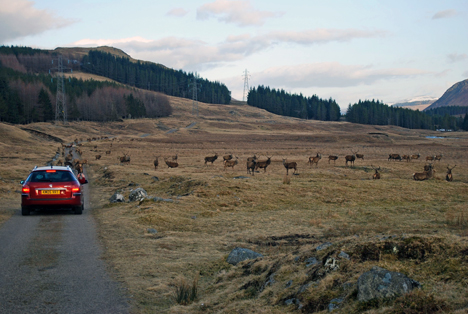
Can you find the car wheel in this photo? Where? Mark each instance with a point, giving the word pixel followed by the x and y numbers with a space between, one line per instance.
pixel 78 210
pixel 25 211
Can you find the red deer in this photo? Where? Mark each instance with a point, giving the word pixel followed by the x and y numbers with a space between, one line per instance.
pixel 174 158
pixel 350 158
pixel 430 158
pixel 230 163
pixel 84 161
pixel 227 157
pixel 290 165
pixel 376 175
pixel 59 162
pixel 171 164
pixel 98 157
pixel 211 158
pixel 156 162
pixel 438 157
pixel 415 156
pixel 67 163
pixel 315 160
pixel 108 152
pixel 406 157
pixel 254 158
pixel 361 156
pixel 125 159
pixel 69 157
pixel 263 164
pixel 449 176
pixel 425 175
pixel 394 157
pixel 251 166
pixel 332 157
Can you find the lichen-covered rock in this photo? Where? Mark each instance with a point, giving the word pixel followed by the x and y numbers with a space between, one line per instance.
pixel 137 195
pixel 240 254
pixel 323 246
pixel 379 283
pixel 117 198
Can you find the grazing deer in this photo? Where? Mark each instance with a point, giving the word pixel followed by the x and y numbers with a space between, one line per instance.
pixel 230 163
pixel 156 162
pixel 290 165
pixel 332 157
pixel 211 158
pixel 415 156
pixel 425 175
pixel 350 158
pixel 315 160
pixel 263 164
pixel 361 156
pixel 98 157
pixel 376 175
pixel 449 176
pixel 406 157
pixel 171 164
pixel 394 157
pixel 430 158
pixel 438 157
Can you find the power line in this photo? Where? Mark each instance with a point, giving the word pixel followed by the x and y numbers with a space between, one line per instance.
pixel 246 84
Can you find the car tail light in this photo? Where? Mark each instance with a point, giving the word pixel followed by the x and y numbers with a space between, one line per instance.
pixel 25 189
pixel 75 190
pixel 50 170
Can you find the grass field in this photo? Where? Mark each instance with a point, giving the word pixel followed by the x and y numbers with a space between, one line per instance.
pixel 425 224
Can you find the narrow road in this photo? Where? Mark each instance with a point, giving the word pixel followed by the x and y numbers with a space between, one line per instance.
pixel 50 263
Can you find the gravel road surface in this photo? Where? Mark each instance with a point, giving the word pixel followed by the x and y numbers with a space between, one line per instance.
pixel 50 263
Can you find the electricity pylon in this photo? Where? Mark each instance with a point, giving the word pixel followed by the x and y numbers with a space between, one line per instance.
pixel 246 84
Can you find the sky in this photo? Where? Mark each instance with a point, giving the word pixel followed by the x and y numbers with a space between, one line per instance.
pixel 392 51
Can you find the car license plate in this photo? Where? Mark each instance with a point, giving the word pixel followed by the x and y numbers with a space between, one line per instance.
pixel 48 192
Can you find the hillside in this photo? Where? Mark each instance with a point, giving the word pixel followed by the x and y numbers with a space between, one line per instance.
pixel 457 95
pixel 415 104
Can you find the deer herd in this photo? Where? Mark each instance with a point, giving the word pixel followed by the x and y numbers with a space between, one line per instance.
pixel 254 164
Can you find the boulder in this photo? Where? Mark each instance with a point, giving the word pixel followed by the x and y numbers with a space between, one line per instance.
pixel 240 254
pixel 117 198
pixel 379 283
pixel 323 246
pixel 137 195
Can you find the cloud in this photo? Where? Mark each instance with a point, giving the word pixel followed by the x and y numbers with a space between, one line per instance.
pixel 198 55
pixel 465 74
pixel 19 19
pixel 455 57
pixel 178 12
pixel 444 14
pixel 238 12
pixel 329 74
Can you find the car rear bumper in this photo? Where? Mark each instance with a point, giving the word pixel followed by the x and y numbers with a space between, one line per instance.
pixel 52 202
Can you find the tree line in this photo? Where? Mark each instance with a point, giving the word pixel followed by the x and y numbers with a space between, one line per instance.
pixel 293 105
pixel 155 77
pixel 378 113
pixel 28 97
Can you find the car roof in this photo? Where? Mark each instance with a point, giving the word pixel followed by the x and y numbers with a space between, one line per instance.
pixel 66 168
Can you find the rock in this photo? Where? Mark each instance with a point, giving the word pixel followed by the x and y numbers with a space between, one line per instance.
pixel 137 195
pixel 117 198
pixel 323 246
pixel 155 178
pixel 160 199
pixel 289 284
pixel 151 230
pixel 240 254
pixel 270 281
pixel 343 255
pixel 241 177
pixel 380 283
pixel 334 304
pixel 311 261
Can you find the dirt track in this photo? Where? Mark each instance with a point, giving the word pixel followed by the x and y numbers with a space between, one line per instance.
pixel 50 263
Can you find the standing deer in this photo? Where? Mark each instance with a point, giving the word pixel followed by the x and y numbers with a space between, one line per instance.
pixel 98 157
pixel 449 176
pixel 263 164
pixel 394 157
pixel 156 162
pixel 289 165
pixel 350 158
pixel 315 160
pixel 406 157
pixel 361 156
pixel 430 158
pixel 415 156
pixel 211 158
pixel 332 157
pixel 230 163
pixel 171 164
pixel 438 157
pixel 376 175
pixel 227 157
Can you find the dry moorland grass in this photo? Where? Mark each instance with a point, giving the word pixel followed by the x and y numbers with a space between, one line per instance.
pixel 418 228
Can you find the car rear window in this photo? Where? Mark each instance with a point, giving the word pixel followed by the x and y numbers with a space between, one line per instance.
pixel 57 176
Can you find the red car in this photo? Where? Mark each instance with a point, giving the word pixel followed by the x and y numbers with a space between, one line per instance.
pixel 52 187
